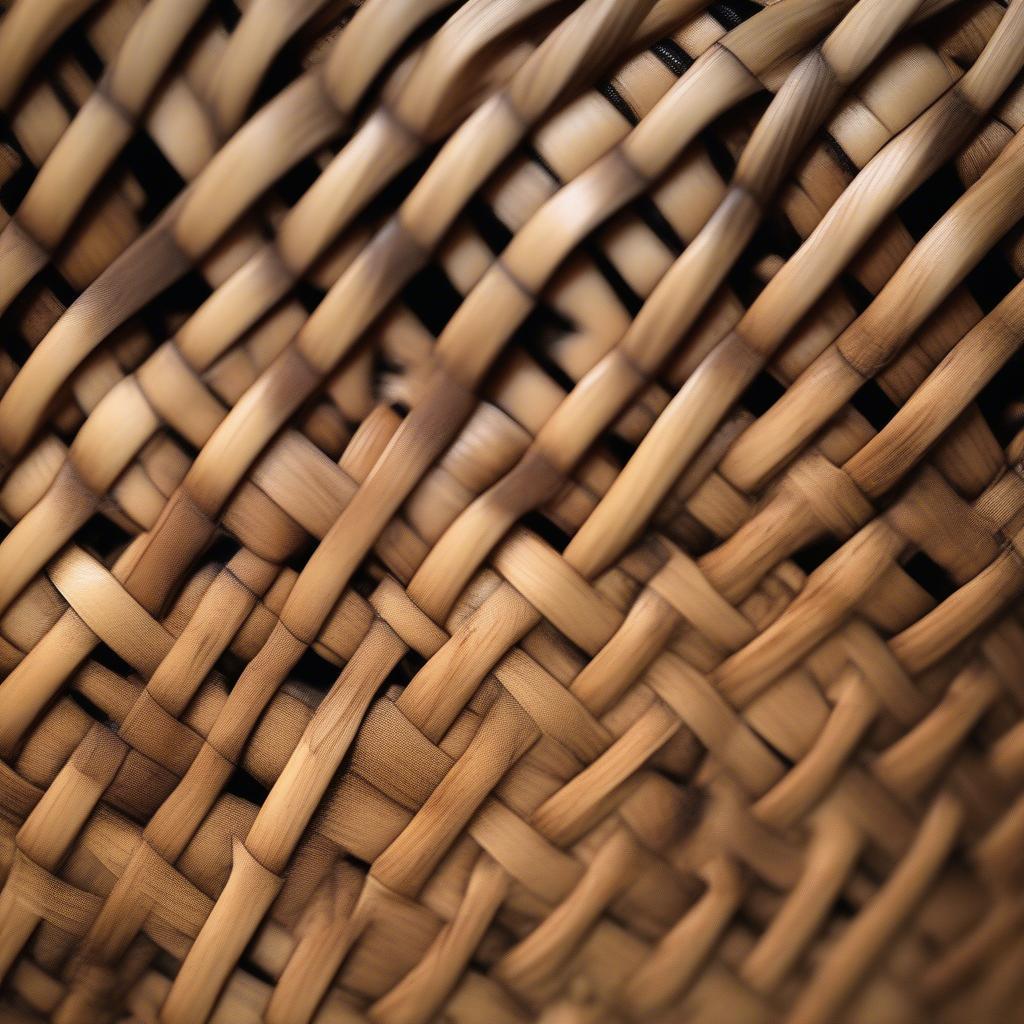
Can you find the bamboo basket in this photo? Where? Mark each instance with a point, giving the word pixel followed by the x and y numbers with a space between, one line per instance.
pixel 513 510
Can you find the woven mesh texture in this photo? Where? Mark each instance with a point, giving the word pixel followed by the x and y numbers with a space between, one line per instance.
pixel 512 510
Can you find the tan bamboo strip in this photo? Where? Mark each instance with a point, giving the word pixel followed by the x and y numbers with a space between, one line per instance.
pixel 350 674
pixel 28 30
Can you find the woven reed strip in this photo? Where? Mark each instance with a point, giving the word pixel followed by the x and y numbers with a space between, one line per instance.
pixel 617 858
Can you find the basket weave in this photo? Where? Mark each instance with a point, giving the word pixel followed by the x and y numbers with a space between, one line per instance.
pixel 514 511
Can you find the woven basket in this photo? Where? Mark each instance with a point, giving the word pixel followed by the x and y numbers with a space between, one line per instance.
pixel 513 510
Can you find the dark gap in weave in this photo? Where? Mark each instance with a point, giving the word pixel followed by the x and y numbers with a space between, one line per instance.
pixel 430 294
pixel 14 189
pixel 253 969
pixel 383 362
pixel 497 235
pixel 65 46
pixel 432 298
pixel 111 660
pixel 308 48
pixel 779 231
pixel 762 393
pixel 719 155
pixel 160 182
pixel 648 212
pixel 860 298
pixel 399 677
pixel 51 278
pixel 742 277
pixel 499 936
pixel 179 299
pixel 222 549
pixel 960 61
pixel 181 442
pixel 102 537
pixel 229 666
pixel 296 181
pixel 1001 401
pixel 631 302
pixel 930 576
pixel 15 345
pixel 347 855
pixel 491 228
pixel 681 772
pixel 615 98
pixel 393 192
pixel 810 556
pixel 546 530
pixel 927 203
pixel 529 336
pixel 840 155
pixel 542 163
pixel 95 712
pixel 363 582
pixel 296 560
pixel 314 671
pixel 991 280
pixel 409 666
pixel 550 319
pixel 244 786
pixel 88 59
pixel 228 13
pixel 673 56
pixel 324 26
pixel 621 449
pixel 787 761
pixel 58 87
pixel 843 906
pixel 874 404
pixel 734 12
pixel 284 69
pixel 308 294
pixel 389 197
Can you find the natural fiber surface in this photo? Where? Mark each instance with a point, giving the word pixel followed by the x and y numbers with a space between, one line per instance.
pixel 513 510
